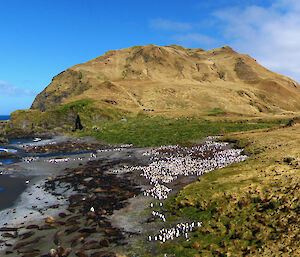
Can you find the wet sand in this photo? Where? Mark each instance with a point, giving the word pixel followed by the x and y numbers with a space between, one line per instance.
pixel 11 187
pixel 54 195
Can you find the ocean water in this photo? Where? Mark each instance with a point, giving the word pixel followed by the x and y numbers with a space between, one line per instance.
pixel 10 189
pixel 4 117
pixel 11 186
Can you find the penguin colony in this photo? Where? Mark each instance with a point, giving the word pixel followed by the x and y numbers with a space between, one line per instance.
pixel 160 215
pixel 29 159
pixel 165 168
pixel 167 163
pixel 181 229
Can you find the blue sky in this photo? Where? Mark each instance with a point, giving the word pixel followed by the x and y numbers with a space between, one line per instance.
pixel 41 38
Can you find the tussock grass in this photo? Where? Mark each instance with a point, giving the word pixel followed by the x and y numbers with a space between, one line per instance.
pixel 249 208
pixel 154 131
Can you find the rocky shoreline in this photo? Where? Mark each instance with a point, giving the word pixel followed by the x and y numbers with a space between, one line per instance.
pixel 96 203
pixel 83 210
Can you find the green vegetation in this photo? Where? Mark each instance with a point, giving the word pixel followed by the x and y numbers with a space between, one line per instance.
pixel 239 223
pixel 215 112
pixel 154 131
pixel 140 130
pixel 77 106
pixel 288 159
pixel 247 209
pixel 63 117
pixel 221 74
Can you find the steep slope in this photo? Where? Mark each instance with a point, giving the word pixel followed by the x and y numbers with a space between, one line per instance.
pixel 174 80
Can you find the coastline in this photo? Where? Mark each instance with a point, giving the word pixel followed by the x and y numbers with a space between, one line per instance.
pixel 74 199
pixel 36 173
pixel 36 203
pixel 12 187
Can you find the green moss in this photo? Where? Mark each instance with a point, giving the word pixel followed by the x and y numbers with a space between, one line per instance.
pixel 288 159
pixel 76 106
pixel 140 130
pixel 153 131
pixel 215 112
pixel 221 74
pixel 63 116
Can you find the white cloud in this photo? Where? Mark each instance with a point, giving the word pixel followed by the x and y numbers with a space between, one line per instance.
pixel 11 90
pixel 269 34
pixel 163 24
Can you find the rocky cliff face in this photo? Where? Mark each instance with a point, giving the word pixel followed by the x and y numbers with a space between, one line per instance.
pixel 52 96
pixel 174 80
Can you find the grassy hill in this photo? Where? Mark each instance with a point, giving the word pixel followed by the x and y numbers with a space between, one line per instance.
pixel 167 81
pixel 174 81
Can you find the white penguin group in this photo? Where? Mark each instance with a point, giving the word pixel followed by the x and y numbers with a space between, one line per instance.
pixel 181 229
pixel 167 163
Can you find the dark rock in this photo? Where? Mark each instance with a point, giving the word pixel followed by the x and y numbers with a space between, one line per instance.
pixel 78 124
pixel 81 254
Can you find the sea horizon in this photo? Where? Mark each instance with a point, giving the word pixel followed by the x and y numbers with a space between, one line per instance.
pixel 4 117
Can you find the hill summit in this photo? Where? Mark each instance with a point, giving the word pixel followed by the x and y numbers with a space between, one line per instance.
pixel 174 80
